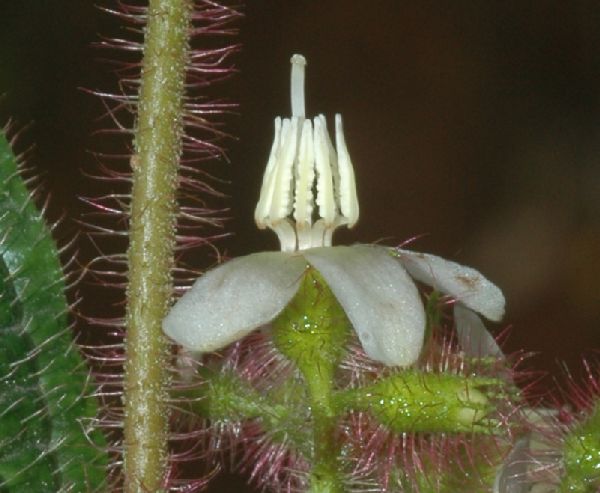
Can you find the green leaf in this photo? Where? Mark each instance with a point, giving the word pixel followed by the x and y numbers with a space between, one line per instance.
pixel 45 407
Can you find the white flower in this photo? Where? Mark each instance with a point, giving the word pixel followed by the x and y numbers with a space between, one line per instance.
pixel 374 288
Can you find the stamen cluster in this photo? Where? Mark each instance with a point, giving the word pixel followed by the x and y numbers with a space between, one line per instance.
pixel 305 169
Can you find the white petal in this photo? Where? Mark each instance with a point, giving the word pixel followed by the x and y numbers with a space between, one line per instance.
pixel 512 476
pixel 230 301
pixel 473 337
pixel 462 283
pixel 379 298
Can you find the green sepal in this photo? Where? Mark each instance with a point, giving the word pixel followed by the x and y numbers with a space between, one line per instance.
pixel 224 396
pixel 313 331
pixel 413 401
pixel 581 459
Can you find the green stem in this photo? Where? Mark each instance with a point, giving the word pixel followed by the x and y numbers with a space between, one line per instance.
pixel 324 476
pixel 158 136
pixel 225 396
pixel 312 332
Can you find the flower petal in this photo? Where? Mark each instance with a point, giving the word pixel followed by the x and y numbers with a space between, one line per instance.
pixel 378 297
pixel 462 283
pixel 473 337
pixel 512 475
pixel 232 300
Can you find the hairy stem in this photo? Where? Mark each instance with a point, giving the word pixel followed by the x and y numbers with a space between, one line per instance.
pixel 312 331
pixel 158 136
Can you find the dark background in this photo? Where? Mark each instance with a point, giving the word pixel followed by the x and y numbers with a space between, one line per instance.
pixel 474 124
